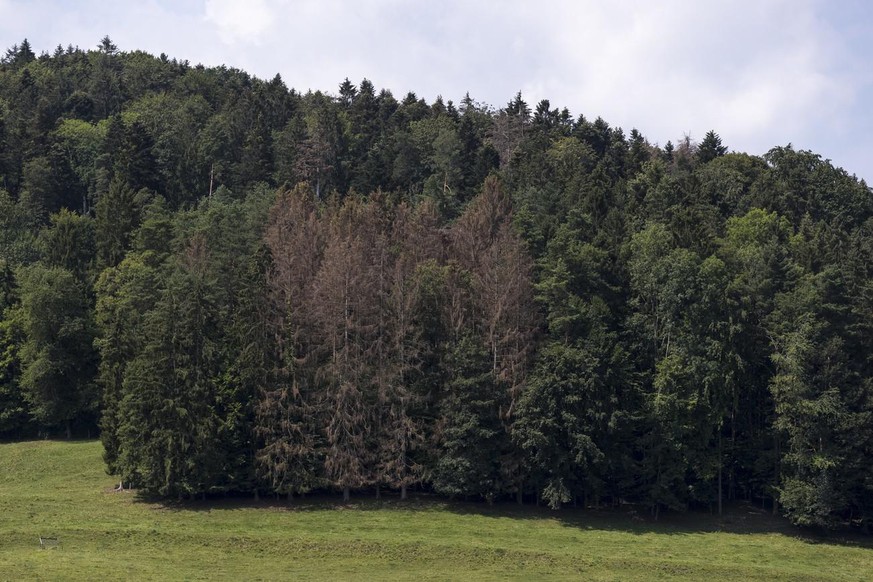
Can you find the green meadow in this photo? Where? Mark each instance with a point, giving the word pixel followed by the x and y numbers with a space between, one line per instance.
pixel 60 489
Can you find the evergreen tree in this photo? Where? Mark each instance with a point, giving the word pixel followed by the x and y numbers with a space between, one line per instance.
pixel 125 294
pixel 471 437
pixel 117 216
pixel 168 428
pixel 710 148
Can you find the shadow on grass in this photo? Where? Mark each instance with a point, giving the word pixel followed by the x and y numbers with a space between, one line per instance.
pixel 738 518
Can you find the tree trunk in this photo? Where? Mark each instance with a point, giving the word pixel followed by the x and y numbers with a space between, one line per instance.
pixel 776 477
pixel 378 492
pixel 346 494
pixel 403 492
pixel 519 496
pixel 732 474
pixel 69 431
pixel 719 474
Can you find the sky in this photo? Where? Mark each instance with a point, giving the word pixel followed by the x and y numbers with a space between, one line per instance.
pixel 761 73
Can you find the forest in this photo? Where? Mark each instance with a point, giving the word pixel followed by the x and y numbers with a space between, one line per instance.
pixel 243 289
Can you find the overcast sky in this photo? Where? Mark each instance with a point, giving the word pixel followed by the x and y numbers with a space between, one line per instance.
pixel 760 72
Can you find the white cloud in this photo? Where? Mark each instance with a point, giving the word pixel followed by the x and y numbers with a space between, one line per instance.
pixel 751 70
pixel 239 21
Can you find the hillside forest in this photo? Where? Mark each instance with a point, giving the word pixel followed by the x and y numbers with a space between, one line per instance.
pixel 248 290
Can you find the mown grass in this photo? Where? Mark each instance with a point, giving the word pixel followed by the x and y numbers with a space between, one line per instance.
pixel 60 488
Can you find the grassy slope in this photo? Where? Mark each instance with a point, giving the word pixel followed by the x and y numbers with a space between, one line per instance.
pixel 60 488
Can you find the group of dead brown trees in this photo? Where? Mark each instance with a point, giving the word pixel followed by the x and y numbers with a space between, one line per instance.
pixel 366 298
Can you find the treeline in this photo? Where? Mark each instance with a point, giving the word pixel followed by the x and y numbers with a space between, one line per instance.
pixel 245 289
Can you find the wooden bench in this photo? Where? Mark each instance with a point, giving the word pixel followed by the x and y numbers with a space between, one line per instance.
pixel 48 543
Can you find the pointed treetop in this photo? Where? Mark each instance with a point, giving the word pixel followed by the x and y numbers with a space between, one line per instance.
pixel 25 53
pixel 518 107
pixel 19 54
pixel 366 88
pixel 348 92
pixel 106 46
pixel 710 148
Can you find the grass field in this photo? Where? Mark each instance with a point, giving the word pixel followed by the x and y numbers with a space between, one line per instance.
pixel 60 488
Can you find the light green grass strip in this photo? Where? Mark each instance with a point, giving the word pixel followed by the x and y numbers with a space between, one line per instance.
pixel 60 489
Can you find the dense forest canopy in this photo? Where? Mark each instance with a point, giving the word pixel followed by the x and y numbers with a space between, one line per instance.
pixel 248 289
